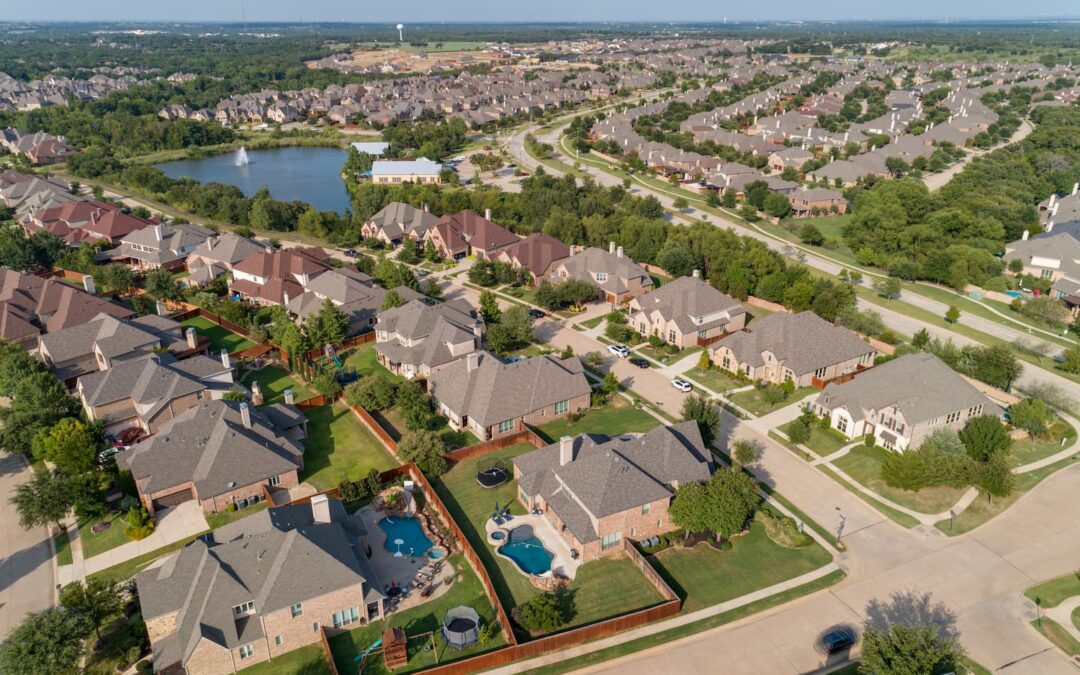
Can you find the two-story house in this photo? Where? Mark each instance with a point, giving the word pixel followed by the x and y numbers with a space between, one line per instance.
pixel 598 490
pixel 617 278
pixel 398 221
pixel 466 233
pixel 421 337
pixel 160 246
pixel 686 312
pixel 536 253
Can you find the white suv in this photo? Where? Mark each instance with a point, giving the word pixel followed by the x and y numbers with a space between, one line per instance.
pixel 619 350
pixel 682 385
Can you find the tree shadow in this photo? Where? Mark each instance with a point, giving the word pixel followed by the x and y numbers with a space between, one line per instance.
pixel 911 608
pixel 23 563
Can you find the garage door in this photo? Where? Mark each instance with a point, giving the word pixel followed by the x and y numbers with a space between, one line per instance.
pixel 173 499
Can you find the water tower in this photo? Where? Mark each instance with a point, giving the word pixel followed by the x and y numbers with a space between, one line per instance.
pixel 400 37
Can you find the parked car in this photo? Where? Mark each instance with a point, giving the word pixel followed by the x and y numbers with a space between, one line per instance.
pixel 351 253
pixel 837 639
pixel 640 362
pixel 422 273
pixel 682 385
pixel 619 350
pixel 536 314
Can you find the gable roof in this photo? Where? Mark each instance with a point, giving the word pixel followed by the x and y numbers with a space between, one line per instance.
pixel 689 298
pixel 227 248
pixel 397 219
pixel 591 261
pixel 150 383
pixel 803 342
pixel 537 252
pixel 466 228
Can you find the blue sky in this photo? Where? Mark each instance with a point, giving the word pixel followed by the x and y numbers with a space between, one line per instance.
pixel 531 10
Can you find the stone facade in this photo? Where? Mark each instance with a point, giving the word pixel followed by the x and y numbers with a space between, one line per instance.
pixel 772 370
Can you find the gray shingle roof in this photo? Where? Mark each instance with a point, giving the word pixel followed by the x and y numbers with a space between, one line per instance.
pixel 619 269
pixel 686 298
pixel 803 342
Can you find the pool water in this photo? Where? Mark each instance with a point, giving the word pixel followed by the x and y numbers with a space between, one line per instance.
pixel 411 534
pixel 527 551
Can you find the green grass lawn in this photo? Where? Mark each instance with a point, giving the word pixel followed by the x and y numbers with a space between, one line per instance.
pixel 602 588
pixel 339 446
pixel 1026 450
pixel 220 338
pixel 751 400
pixel 394 423
pixel 704 576
pixel 96 544
pixel 757 312
pixel 1056 633
pixel 617 417
pixel 416 621
pixel 63 548
pixel 216 520
pixel 864 465
pixel 899 517
pixel 715 379
pixel 830 226
pixel 129 568
pixel 366 362
pixel 593 322
pixel 1052 593
pixel 662 356
pixel 308 660
pixel 658 279
pixel 273 381
pixel 822 441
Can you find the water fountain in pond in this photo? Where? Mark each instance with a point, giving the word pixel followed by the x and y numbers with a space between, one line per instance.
pixel 242 157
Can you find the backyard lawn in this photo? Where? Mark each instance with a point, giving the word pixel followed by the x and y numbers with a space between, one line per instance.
pixel 394 424
pixel 822 441
pixel 273 381
pixel 751 400
pixel 705 576
pixel 339 446
pixel 618 416
pixel 864 465
pixel 220 338
pixel 417 622
pixel 366 362
pixel 602 589
pixel 714 379
pixel 308 660
pixel 1026 450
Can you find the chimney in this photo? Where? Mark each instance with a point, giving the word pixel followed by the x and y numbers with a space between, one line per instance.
pixel 566 450
pixel 320 509
pixel 1050 225
pixel 157 232
pixel 225 358
pixel 611 247
pixel 618 252
pixel 1025 235
pixel 245 415
pixel 210 243
pixel 472 362
pixel 305 279
pixel 424 206
pixel 697 274
pixel 256 391
pixel 1076 186
pixel 1054 210
pixel 1053 198
pixel 88 284
pixel 161 309
pixel 487 214
pixel 289 399
pixel 286 297
pixel 192 338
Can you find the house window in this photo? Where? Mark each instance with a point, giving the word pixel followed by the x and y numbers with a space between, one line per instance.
pixel 645 509
pixel 244 609
pixel 601 277
pixel 246 651
pixel 346 617
pixel 275 480
pixel 975 411
pixel 841 425
pixel 1046 274
pixel 297 610
pixel 505 426
pixel 820 372
pixel 671 336
pixel 562 407
pixel 611 540
pixel 726 362
pixel 314 626
pixel 952 417
pixel 641 327
pixel 279 640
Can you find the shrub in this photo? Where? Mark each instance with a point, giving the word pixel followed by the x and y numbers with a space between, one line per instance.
pixel 230 507
pixel 798 431
pixel 139 524
pixel 868 440
pixel 782 530
pixel 545 612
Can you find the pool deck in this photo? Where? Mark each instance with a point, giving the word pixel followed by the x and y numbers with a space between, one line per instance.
pixel 563 563
pixel 401 571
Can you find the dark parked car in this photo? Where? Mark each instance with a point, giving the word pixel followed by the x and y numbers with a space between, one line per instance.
pixel 351 253
pixel 639 362
pixel 536 314
pixel 837 639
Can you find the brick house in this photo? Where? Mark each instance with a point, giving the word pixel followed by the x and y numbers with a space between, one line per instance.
pixel 493 399
pixel 617 278
pixel 807 202
pixel 259 588
pixel 598 490
pixel 465 233
pixel 420 338
pixel 398 221
pixel 799 348
pixel 217 453
pixel 536 253
pixel 686 312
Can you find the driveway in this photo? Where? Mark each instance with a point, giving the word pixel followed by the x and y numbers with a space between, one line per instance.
pixel 27 583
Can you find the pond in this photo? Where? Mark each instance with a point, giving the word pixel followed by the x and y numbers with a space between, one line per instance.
pixel 311 175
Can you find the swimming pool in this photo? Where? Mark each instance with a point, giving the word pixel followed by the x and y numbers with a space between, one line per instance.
pixel 527 551
pixel 405 536
pixel 1014 294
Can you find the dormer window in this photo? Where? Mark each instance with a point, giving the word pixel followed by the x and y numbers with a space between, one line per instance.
pixel 601 277
pixel 245 609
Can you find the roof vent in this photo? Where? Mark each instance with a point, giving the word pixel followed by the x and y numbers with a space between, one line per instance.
pixel 230 484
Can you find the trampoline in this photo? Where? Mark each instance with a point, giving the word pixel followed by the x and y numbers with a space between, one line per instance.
pixel 460 627
pixel 493 475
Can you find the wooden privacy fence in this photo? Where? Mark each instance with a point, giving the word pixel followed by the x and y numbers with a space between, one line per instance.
pixel 324 642
pixel 376 429
pixel 525 436
pixel 353 341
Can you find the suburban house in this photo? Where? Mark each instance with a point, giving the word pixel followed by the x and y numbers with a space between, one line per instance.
pixel 807 202
pixel 419 337
pixel 218 255
pixel 84 221
pixel 395 171
pixel 31 305
pixel 491 399
pixel 902 402
pixel 1053 255
pixel 350 292
pixel 686 312
pixel 789 158
pixel 466 233
pixel 105 341
pixel 536 253
pixel 273 277
pixel 617 278
pixel 799 348
pixel 149 392
pixel 397 221
pixel 216 453
pixel 38 147
pixel 164 246
pixel 258 588
pixel 598 490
